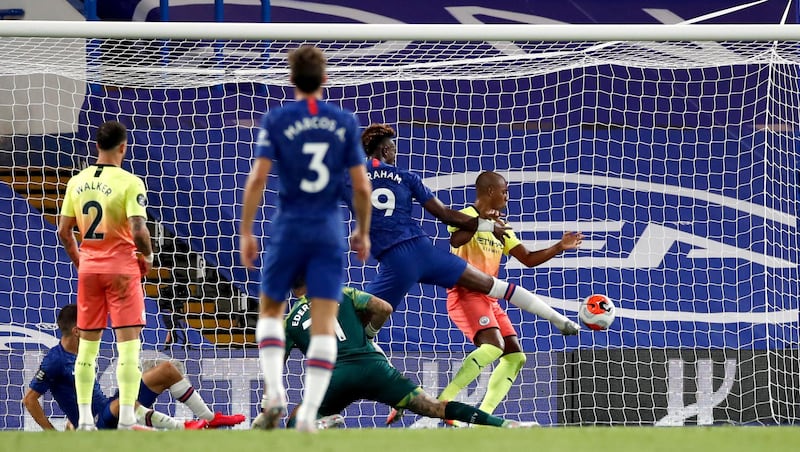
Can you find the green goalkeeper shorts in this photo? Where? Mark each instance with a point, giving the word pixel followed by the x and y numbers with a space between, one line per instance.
pixel 365 378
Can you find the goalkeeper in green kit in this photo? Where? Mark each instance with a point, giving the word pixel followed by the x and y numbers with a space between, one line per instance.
pixel 362 371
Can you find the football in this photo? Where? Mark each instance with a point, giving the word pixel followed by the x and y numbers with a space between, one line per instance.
pixel 597 312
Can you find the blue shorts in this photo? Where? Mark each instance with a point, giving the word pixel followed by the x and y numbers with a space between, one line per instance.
pixel 411 262
pixel 107 421
pixel 322 263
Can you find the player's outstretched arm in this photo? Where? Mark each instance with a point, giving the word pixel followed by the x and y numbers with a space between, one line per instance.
pixel 379 311
pixel 362 190
pixel 253 194
pixel 570 241
pixel 463 221
pixel 31 402
pixel 66 225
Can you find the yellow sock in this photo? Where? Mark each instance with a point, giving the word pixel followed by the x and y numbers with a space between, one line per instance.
pixel 85 368
pixel 128 379
pixel 470 369
pixel 501 380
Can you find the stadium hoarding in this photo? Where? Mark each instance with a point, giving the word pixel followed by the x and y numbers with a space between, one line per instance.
pixel 230 381
pixel 674 387
pixel 661 387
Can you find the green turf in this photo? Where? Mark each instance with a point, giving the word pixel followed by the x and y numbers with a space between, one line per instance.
pixel 571 439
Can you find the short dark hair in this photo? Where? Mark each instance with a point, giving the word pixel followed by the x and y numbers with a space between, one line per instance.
pixel 67 318
pixel 488 179
pixel 307 65
pixel 374 135
pixel 110 135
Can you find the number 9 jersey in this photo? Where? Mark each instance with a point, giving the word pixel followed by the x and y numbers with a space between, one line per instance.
pixel 393 191
pixel 101 198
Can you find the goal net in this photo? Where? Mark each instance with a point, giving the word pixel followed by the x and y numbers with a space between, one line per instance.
pixel 677 159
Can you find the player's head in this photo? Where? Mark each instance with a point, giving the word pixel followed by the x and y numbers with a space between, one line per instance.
pixel 493 188
pixel 378 143
pixel 67 320
pixel 307 66
pixel 112 140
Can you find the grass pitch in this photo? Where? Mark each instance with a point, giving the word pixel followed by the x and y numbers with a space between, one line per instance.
pixel 567 439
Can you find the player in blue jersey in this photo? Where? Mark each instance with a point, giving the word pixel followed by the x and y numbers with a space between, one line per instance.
pixel 315 145
pixel 56 374
pixel 407 255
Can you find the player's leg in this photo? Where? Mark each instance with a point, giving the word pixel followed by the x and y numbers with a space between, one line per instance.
pixel 92 320
pixel 282 263
pixel 165 376
pixel 146 418
pixel 324 278
pixel 343 390
pixel 126 308
pixel 504 375
pixel 397 273
pixel 472 313
pixel 474 279
pixel 392 388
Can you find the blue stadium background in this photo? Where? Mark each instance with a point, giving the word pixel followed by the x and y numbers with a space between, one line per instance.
pixel 712 144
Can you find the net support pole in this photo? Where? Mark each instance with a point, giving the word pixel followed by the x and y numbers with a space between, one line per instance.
pixel 163 10
pixel 265 11
pixel 90 9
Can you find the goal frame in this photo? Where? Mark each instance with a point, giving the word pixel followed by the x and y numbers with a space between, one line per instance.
pixel 383 32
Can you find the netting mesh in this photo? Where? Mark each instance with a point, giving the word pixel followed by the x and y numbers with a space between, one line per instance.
pixel 677 160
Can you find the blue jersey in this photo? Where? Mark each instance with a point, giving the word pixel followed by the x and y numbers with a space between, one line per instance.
pixel 393 191
pixel 313 144
pixel 57 375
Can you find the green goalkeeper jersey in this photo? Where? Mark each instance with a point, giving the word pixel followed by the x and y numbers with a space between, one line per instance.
pixel 349 330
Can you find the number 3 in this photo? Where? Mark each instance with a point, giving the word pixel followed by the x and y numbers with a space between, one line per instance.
pixel 317 151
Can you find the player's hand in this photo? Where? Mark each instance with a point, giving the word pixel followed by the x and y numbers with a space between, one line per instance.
pixel 491 214
pixel 248 250
pixel 500 231
pixel 361 244
pixel 571 240
pixel 144 265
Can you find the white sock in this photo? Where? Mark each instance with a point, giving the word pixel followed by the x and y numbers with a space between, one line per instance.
pixel 521 298
pixel 271 338
pixel 320 359
pixel 183 392
pixel 85 412
pixel 153 418
pixel 127 415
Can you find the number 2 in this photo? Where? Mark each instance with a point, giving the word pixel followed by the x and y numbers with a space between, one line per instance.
pixel 386 205
pixel 317 151
pixel 90 233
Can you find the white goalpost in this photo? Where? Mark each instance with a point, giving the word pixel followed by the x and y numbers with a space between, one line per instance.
pixel 673 148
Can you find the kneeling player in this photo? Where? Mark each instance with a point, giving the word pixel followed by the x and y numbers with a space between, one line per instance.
pixel 56 374
pixel 363 372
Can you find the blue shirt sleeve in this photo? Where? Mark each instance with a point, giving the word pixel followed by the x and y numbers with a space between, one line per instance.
pixel 264 143
pixel 354 153
pixel 49 370
pixel 418 190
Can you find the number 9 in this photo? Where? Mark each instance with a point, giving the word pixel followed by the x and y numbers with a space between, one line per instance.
pixel 387 205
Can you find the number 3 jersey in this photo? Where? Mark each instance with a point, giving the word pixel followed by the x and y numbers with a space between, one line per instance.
pixel 393 193
pixel 101 198
pixel 313 145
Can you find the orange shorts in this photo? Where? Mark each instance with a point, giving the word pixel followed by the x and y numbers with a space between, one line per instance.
pixel 102 294
pixel 473 312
